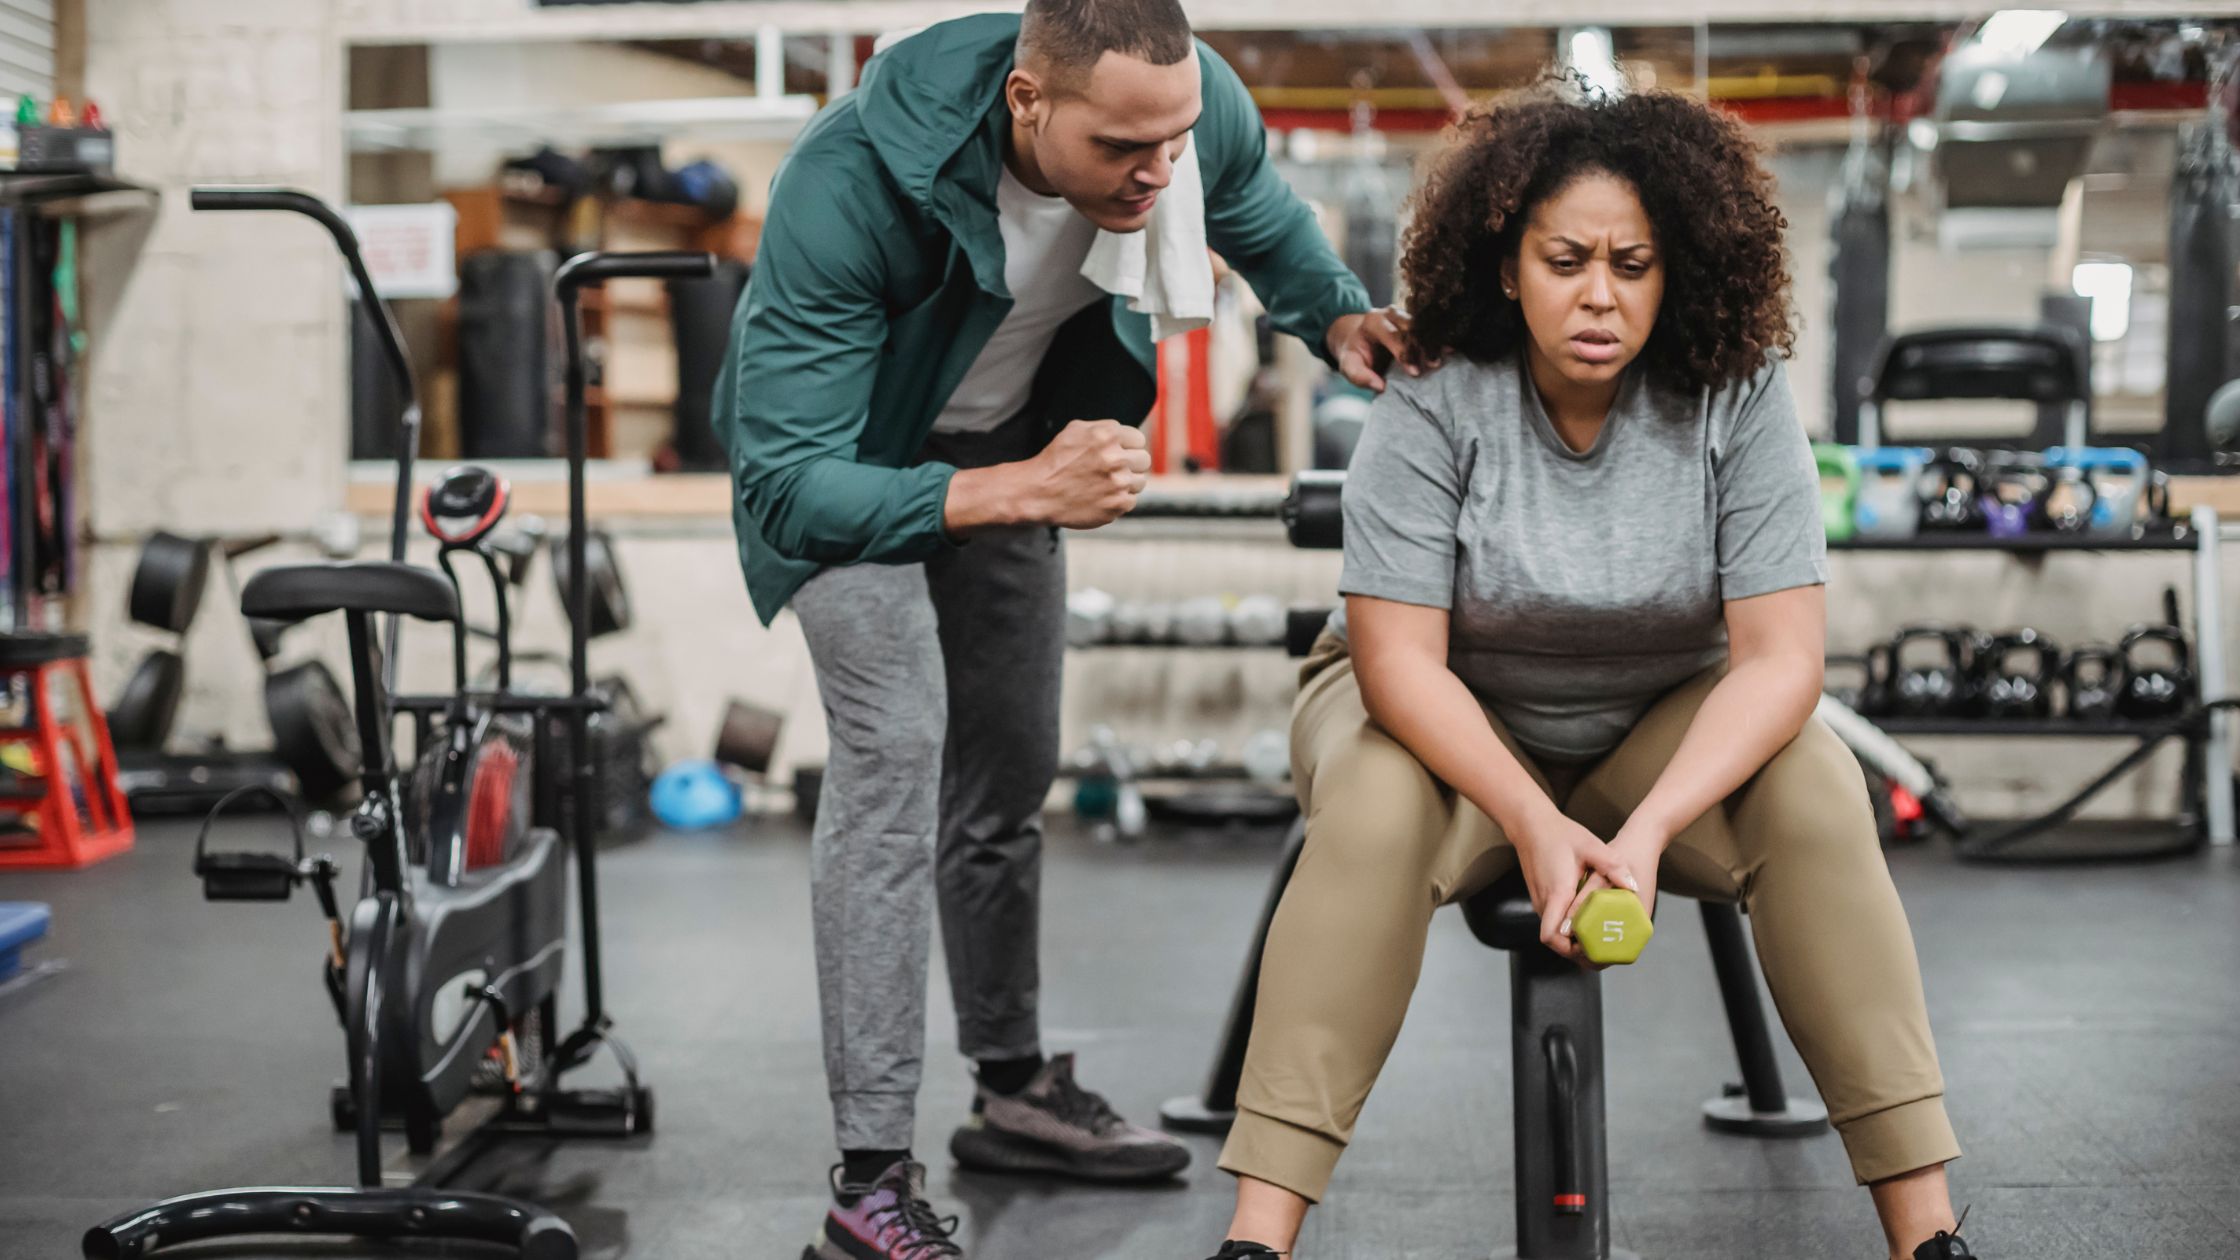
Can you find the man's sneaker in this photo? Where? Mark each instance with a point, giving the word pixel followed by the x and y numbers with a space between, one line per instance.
pixel 886 1220
pixel 1234 1250
pixel 1055 1126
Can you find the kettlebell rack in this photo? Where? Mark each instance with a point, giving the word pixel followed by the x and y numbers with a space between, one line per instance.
pixel 2211 751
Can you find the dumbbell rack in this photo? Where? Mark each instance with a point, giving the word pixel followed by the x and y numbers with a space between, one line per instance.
pixel 1230 771
pixel 1254 505
pixel 2211 752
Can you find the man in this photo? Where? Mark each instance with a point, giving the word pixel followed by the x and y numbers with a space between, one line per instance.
pixel 921 390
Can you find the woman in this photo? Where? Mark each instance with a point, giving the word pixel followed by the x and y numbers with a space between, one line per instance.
pixel 1583 632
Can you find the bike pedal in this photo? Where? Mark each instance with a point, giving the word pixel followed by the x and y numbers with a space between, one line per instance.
pixel 512 1060
pixel 246 876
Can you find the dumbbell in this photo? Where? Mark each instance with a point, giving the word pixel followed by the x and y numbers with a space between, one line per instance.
pixel 1089 617
pixel 1267 757
pixel 1201 622
pixel 1313 515
pixel 1257 620
pixel 1139 621
pixel 1184 758
pixel 1611 927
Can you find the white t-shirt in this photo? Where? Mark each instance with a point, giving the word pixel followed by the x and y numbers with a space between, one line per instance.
pixel 1045 241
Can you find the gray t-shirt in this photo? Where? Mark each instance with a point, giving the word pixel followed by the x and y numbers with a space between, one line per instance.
pixel 1581 585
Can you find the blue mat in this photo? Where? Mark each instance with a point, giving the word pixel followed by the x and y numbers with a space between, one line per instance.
pixel 21 922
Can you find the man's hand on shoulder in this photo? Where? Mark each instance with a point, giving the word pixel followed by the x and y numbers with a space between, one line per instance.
pixel 1365 346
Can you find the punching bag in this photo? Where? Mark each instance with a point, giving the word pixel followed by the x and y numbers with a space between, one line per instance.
pixel 1858 281
pixel 2201 261
pixel 700 315
pixel 376 399
pixel 508 360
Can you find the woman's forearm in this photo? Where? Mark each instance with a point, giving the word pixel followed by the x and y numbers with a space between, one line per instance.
pixel 1421 703
pixel 1749 716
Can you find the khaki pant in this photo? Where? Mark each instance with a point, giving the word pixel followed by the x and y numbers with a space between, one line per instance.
pixel 1387 845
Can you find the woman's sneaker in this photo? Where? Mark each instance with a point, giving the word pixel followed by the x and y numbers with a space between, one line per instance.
pixel 1055 1126
pixel 1234 1250
pixel 886 1220
pixel 1943 1247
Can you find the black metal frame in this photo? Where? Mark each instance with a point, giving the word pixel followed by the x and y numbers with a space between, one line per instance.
pixel 372 959
pixel 1562 1163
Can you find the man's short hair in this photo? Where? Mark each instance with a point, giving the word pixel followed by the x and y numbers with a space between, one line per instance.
pixel 1062 40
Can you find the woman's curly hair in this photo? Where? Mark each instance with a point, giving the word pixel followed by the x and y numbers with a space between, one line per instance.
pixel 1709 201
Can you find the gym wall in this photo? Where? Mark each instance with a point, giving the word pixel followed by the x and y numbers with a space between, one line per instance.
pixel 230 450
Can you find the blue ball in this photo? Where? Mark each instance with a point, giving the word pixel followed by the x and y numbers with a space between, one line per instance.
pixel 693 795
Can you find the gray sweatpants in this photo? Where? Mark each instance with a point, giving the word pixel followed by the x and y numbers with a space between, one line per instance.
pixel 940 685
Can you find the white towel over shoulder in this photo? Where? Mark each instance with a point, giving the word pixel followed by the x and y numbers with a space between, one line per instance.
pixel 1163 270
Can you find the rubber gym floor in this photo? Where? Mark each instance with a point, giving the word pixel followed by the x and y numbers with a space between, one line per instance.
pixel 2088 1021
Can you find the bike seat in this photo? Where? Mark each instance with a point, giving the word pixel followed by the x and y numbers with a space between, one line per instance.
pixel 294 592
pixel 1501 914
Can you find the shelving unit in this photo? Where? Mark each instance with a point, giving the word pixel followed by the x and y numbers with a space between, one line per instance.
pixel 2018 728
pixel 70 241
pixel 2208 756
pixel 634 314
pixel 2178 538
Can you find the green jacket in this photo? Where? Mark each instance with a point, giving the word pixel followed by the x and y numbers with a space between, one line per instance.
pixel 880 277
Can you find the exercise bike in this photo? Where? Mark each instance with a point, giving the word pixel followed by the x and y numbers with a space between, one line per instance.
pixel 446 971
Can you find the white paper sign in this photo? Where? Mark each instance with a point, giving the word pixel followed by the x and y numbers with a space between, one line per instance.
pixel 409 249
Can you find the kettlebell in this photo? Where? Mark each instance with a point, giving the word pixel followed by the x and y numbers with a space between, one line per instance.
pixel 1949 489
pixel 2154 691
pixel 2119 480
pixel 2066 506
pixel 2006 690
pixel 2093 677
pixel 2013 482
pixel 2158 500
pixel 1838 688
pixel 1939 689
pixel 1839 488
pixel 1874 695
pixel 1888 504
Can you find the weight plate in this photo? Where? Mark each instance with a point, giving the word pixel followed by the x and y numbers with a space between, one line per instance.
pixel 1312 515
pixel 265 632
pixel 808 787
pixel 748 737
pixel 168 580
pixel 609 600
pixel 144 712
pixel 312 731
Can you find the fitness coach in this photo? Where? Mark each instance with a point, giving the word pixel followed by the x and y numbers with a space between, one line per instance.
pixel 952 309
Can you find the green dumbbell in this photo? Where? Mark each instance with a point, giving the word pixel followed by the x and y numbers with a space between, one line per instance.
pixel 1612 929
